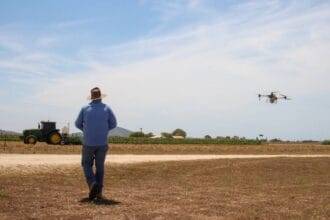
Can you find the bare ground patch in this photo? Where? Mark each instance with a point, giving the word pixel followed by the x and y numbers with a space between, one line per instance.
pixel 243 188
pixel 42 148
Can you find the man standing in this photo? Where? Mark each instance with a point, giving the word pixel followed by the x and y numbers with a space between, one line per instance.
pixel 95 120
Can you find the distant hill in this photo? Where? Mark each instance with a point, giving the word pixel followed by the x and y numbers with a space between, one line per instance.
pixel 118 132
pixel 4 132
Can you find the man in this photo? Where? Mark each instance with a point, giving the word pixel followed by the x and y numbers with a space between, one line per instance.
pixel 95 120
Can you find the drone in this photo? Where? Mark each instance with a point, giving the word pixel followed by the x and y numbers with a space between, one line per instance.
pixel 273 97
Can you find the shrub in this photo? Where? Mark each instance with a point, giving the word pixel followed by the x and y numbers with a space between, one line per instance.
pixel 138 134
pixel 10 138
pixel 74 140
pixel 326 142
pixel 143 140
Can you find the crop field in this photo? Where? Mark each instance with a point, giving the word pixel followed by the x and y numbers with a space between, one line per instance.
pixel 245 188
pixel 42 148
pixel 145 140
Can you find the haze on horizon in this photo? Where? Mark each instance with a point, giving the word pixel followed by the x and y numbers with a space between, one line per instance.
pixel 191 64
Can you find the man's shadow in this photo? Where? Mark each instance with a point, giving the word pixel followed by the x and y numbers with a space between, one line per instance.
pixel 100 201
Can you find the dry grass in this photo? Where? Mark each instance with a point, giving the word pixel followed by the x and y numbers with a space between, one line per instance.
pixel 246 188
pixel 2 194
pixel 42 148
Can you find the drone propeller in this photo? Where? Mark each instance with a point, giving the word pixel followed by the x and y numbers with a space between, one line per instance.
pixel 285 97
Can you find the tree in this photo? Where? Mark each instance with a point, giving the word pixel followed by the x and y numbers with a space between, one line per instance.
pixel 179 132
pixel 140 134
pixel 207 137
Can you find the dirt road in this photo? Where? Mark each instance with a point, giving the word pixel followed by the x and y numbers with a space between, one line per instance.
pixel 10 160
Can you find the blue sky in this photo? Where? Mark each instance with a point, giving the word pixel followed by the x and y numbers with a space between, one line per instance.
pixel 193 64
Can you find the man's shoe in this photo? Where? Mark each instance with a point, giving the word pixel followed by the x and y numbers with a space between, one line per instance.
pixel 100 199
pixel 94 191
pixel 99 196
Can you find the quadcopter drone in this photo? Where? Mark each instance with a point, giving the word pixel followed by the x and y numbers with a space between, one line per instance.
pixel 273 97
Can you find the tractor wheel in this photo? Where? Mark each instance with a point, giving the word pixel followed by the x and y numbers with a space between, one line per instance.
pixel 54 138
pixel 30 139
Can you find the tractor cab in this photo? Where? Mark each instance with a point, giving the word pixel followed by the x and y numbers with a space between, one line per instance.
pixel 47 126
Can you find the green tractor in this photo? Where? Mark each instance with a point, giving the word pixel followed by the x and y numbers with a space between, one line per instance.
pixel 46 132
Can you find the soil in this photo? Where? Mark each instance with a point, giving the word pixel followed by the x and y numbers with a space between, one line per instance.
pixel 259 188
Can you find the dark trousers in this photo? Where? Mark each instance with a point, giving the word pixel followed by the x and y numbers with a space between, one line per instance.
pixel 90 155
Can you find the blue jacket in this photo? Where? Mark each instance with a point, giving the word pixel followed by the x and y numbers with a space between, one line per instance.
pixel 96 120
